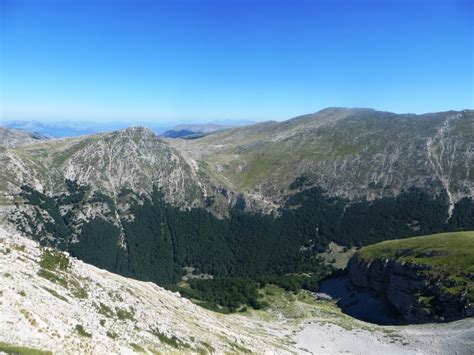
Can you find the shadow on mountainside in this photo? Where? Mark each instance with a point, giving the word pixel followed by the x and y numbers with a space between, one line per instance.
pixel 360 303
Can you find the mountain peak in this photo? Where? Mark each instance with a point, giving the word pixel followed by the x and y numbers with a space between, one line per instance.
pixel 138 129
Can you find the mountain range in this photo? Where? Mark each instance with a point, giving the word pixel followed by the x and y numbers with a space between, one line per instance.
pixel 350 176
pixel 247 220
pixel 401 175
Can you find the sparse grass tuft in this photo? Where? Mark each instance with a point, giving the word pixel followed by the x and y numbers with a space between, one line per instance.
pixel 53 266
pixel 82 332
pixel 171 341
pixel 240 349
pixel 51 276
pixel 29 317
pixel 105 310
pixel 123 314
pixel 208 346
pixel 17 247
pixel 53 260
pixel 137 348
pixel 112 335
pixel 76 289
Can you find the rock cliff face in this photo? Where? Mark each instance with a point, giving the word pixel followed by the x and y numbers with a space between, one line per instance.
pixel 409 289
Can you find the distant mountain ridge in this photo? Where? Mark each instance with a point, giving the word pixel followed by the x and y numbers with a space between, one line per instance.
pixel 10 137
pixel 193 130
pixel 351 153
pixel 67 129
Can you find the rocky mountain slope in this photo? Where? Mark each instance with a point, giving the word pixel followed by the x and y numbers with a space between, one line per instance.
pixel 53 302
pixel 427 278
pixel 128 159
pixel 353 153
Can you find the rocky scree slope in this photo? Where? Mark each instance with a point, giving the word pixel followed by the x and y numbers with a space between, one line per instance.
pixel 429 278
pixel 53 302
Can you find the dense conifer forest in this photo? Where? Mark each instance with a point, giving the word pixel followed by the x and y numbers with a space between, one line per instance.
pixel 161 239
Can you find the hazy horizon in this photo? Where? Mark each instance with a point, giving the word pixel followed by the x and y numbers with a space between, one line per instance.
pixel 167 124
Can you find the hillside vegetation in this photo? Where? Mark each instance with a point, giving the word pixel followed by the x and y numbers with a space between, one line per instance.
pixel 350 153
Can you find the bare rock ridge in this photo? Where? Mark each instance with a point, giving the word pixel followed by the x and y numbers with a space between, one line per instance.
pixel 133 158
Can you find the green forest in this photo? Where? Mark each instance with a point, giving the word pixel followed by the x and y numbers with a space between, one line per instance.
pixel 161 239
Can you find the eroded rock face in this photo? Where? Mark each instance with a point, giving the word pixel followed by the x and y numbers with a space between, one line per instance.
pixel 406 287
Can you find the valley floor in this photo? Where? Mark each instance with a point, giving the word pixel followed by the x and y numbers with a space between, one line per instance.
pixel 452 338
pixel 77 308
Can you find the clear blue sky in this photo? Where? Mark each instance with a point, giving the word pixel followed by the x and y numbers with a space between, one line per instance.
pixel 203 60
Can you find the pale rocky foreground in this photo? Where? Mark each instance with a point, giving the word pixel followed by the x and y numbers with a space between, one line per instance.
pixel 89 310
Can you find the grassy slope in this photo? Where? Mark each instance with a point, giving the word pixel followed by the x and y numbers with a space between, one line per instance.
pixel 449 256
